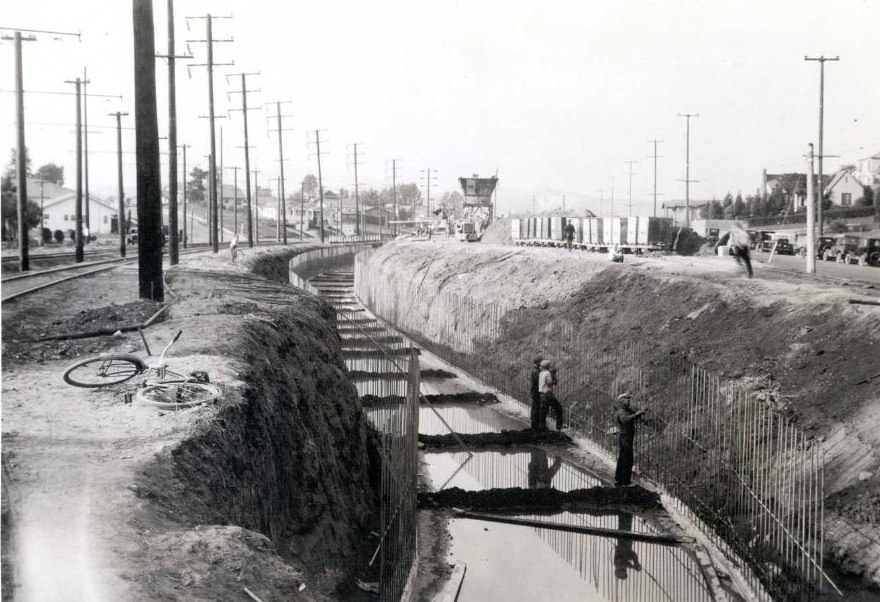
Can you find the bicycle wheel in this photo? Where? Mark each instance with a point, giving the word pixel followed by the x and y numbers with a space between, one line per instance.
pixel 103 370
pixel 177 394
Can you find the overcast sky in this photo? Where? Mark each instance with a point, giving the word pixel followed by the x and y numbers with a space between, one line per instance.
pixel 555 96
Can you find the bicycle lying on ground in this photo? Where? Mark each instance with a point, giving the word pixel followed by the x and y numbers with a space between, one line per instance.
pixel 171 390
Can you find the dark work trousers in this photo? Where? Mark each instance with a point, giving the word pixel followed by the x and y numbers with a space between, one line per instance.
pixel 623 474
pixel 741 254
pixel 548 400
pixel 535 413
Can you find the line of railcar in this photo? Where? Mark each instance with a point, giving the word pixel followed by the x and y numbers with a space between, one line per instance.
pixel 634 234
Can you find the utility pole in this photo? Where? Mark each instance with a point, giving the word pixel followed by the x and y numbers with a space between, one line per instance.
pixel 687 168
pixel 655 141
pixel 85 101
pixel 601 200
pixel 21 149
pixel 185 238
pixel 121 204
pixel 149 189
pixel 21 160
pixel 320 181
pixel 612 196
pixel 394 188
pixel 42 225
pixel 173 243
pixel 256 208
pixel 427 177
pixel 78 252
pixel 630 189
pixel 811 233
pixel 821 60
pixel 212 168
pixel 220 188
pixel 302 206
pixel 357 211
pixel 282 219
pixel 247 157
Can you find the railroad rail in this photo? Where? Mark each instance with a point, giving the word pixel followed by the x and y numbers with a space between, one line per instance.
pixel 23 283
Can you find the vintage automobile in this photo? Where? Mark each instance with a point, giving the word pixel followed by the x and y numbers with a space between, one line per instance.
pixel 784 247
pixel 851 248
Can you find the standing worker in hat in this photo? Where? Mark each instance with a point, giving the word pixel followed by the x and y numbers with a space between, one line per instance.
pixel 534 393
pixel 547 387
pixel 625 417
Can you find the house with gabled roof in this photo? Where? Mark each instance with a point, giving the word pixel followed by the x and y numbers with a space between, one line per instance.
pixel 59 213
pixel 844 188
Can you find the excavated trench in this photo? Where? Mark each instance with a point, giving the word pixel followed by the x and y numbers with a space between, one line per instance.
pixel 523 516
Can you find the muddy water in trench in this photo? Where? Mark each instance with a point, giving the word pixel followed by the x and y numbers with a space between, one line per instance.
pixel 510 562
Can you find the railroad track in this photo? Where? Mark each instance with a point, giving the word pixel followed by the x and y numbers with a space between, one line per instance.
pixel 45 260
pixel 21 284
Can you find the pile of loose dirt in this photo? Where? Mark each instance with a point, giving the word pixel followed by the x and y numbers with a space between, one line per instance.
pixel 595 500
pixel 498 232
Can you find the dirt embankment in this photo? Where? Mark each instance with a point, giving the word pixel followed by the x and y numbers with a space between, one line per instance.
pixel 266 490
pixel 808 352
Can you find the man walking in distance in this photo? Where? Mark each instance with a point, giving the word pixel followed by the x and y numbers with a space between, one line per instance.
pixel 547 387
pixel 569 234
pixel 534 393
pixel 625 417
pixel 739 242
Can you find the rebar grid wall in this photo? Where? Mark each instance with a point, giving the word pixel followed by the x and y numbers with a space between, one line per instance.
pixel 390 379
pixel 384 369
pixel 741 471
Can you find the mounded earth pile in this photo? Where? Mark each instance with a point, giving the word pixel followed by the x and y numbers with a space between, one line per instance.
pixel 798 344
pixel 267 489
pixel 286 455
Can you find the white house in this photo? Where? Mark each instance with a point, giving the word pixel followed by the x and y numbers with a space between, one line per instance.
pixel 680 210
pixel 59 213
pixel 868 170
pixel 844 188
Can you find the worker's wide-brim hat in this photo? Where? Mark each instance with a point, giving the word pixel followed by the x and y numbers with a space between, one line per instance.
pixel 624 396
pixel 538 359
pixel 546 364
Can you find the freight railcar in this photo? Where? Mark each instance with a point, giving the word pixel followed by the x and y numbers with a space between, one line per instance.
pixel 634 234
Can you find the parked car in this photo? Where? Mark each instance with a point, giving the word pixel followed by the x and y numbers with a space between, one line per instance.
pixel 872 251
pixel 784 247
pixel 850 248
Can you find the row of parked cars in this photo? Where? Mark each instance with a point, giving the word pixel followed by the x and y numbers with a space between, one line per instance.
pixel 850 248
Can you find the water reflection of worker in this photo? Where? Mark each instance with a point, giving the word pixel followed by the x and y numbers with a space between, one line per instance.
pixel 534 393
pixel 540 472
pixel 624 555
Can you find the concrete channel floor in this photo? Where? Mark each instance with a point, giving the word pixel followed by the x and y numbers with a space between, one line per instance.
pixel 503 562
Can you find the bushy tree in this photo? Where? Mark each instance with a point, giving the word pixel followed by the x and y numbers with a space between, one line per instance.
pixel 51 173
pixel 195 187
pixel 453 201
pixel 370 198
pixel 739 206
pixel 310 185
pixel 716 211
pixel 9 201
pixel 58 235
